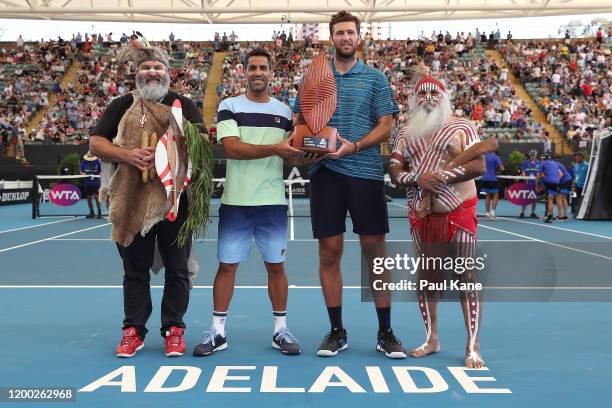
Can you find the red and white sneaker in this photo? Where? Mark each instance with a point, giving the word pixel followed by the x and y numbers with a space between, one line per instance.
pixel 130 343
pixel 175 345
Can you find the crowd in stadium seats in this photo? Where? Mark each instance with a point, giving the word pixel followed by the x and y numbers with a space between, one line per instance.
pixel 571 81
pixel 480 90
pixel 290 62
pixel 78 107
pixel 100 78
pixel 28 74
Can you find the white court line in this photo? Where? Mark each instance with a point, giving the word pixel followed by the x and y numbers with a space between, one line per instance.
pixel 409 240
pixel 298 240
pixel 537 240
pixel 294 287
pixel 50 238
pixel 559 228
pixel 548 243
pixel 41 225
pixel 80 239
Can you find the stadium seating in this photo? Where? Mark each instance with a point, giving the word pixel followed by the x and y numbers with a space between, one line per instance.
pixel 28 75
pixel 577 100
pixel 477 84
pixel 570 80
pixel 100 78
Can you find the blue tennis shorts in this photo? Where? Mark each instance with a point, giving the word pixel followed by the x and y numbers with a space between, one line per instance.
pixel 238 225
pixel 489 186
pixel 552 189
pixel 564 188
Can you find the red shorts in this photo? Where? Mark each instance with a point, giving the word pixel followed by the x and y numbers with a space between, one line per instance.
pixel 442 227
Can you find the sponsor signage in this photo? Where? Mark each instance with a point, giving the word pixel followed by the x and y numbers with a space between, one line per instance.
pixel 521 194
pixel 15 196
pixel 65 194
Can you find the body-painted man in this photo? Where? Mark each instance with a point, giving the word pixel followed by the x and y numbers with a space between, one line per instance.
pixel 437 157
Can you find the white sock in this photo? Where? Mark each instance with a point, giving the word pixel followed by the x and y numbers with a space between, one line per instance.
pixel 280 320
pixel 218 322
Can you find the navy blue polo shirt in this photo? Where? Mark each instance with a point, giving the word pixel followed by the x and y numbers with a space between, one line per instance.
pixel 364 95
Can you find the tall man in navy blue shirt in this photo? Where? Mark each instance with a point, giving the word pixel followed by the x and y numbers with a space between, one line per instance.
pixel 352 180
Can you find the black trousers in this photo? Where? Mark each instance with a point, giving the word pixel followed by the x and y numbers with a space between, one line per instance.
pixel 137 261
pixel 577 200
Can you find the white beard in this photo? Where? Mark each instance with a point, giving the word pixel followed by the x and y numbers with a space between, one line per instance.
pixel 154 91
pixel 423 123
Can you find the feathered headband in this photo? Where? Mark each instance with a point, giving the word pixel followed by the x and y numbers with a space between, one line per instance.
pixel 139 50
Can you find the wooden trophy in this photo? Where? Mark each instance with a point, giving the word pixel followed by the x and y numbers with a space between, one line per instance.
pixel 318 104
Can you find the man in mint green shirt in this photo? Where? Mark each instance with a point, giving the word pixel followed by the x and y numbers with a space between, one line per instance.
pixel 254 130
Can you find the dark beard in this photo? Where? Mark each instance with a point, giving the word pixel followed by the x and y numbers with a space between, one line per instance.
pixel 346 56
pixel 263 88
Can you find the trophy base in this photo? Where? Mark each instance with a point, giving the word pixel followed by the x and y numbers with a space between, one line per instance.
pixel 321 143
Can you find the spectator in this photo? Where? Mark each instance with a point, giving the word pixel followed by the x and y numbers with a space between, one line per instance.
pixel 599 35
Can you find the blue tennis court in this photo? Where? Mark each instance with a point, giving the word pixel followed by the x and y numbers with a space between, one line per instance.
pixel 60 285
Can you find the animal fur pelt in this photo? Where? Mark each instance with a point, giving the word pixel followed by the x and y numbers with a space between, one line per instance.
pixel 135 207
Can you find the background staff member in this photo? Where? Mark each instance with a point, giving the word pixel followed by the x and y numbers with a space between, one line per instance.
pixel 529 168
pixel 565 185
pixel 550 174
pixel 490 186
pixel 581 169
pixel 91 166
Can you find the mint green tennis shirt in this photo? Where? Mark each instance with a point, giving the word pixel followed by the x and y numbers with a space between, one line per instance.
pixel 257 181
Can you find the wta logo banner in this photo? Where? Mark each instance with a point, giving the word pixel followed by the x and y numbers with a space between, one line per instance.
pixel 65 194
pixel 521 194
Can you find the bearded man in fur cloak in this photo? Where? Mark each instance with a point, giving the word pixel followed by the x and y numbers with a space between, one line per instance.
pixel 138 201
pixel 437 157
